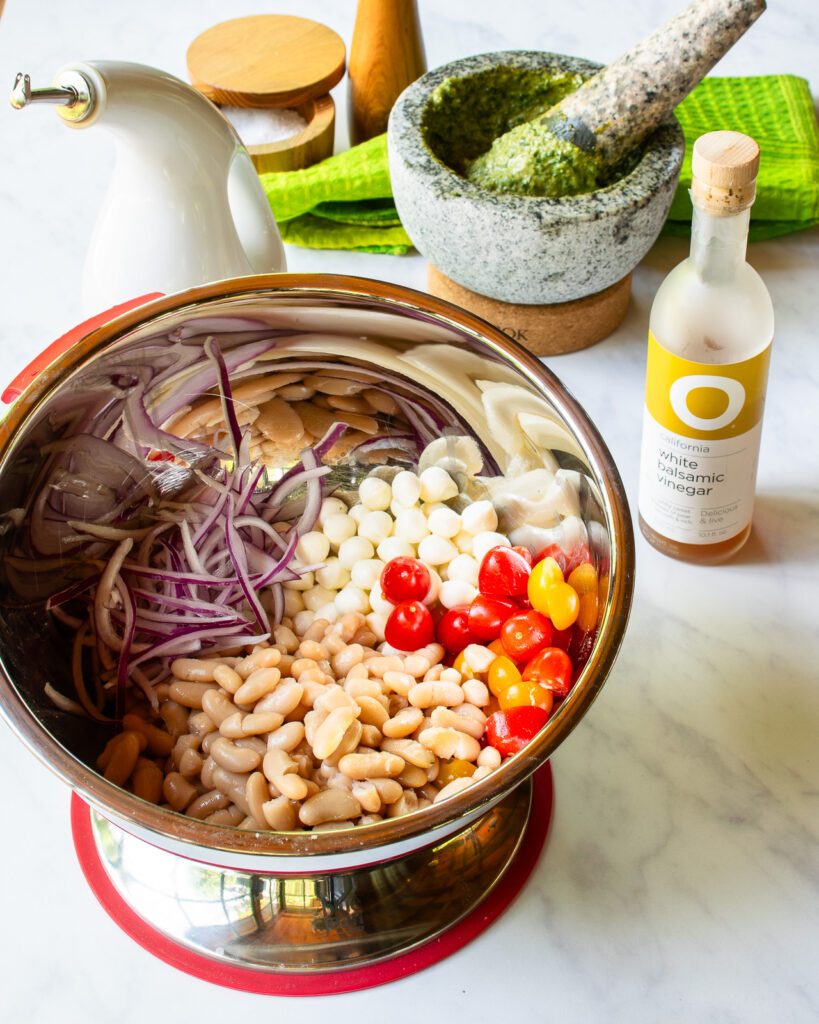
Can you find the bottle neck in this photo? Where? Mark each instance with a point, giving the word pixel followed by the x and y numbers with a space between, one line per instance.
pixel 718 244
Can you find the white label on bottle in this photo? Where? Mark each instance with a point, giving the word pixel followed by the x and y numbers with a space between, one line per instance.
pixel 697 492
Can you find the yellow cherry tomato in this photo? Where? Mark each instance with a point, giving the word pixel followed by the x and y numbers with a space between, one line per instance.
pixel 526 693
pixel 503 672
pixel 454 769
pixel 461 665
pixel 541 579
pixel 584 581
pixel 563 605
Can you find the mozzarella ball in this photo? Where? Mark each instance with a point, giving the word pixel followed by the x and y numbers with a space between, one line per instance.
pixel 355 549
pixel 464 542
pixel 437 485
pixel 375 526
pixel 331 507
pixel 486 541
pixel 436 550
pixel 455 592
pixel 333 575
pixel 317 596
pixel 444 522
pixel 304 582
pixel 303 620
pixel 338 527
pixel 411 525
pixel 365 573
pixel 376 621
pixel 328 612
pixel 462 567
pixel 395 547
pixel 378 602
pixel 313 547
pixel 293 603
pixel 352 599
pixel 374 493
pixel 434 587
pixel 406 488
pixel 357 512
pixel 479 517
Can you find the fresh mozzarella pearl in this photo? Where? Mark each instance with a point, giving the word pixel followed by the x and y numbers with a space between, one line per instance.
pixel 464 542
pixel 429 507
pixel 304 582
pixel 411 525
pixel 374 493
pixel 312 547
pixel 315 597
pixel 293 603
pixel 375 526
pixel 479 517
pixel 328 612
pixel 437 485
pixel 352 599
pixel 463 567
pixel 333 575
pixel 365 574
pixel 455 592
pixel 331 507
pixel 338 527
pixel 406 488
pixel 434 586
pixel 376 622
pixel 436 550
pixel 378 602
pixel 486 541
pixel 444 522
pixel 357 512
pixel 355 549
pixel 303 620
pixel 395 547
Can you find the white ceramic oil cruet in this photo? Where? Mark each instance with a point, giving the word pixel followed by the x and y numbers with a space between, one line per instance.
pixel 184 206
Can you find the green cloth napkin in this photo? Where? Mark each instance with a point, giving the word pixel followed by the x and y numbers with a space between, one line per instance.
pixel 345 202
pixel 776 110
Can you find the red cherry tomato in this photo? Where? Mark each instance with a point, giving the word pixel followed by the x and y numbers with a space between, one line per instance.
pixel 409 626
pixel 577 557
pixel 562 638
pixel 551 668
pixel 525 553
pixel 509 731
pixel 487 615
pixel 405 579
pixel 504 572
pixel 453 629
pixel 525 634
pixel 555 552
pixel 580 649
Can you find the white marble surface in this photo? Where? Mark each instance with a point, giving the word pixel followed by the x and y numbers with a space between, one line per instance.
pixel 681 881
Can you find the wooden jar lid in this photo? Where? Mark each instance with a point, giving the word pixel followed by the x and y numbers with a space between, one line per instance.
pixel 267 60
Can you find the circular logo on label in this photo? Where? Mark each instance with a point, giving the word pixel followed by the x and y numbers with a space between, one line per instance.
pixel 728 388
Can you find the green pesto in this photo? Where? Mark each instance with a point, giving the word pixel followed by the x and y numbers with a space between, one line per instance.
pixel 491 128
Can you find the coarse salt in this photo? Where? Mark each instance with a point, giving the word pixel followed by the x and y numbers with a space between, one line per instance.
pixel 259 127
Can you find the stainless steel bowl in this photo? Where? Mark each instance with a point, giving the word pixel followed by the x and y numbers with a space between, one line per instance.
pixel 392 334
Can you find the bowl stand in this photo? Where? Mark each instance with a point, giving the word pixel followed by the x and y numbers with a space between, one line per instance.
pixel 324 933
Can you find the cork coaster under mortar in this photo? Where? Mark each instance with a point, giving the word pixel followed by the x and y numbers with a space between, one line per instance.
pixel 548 330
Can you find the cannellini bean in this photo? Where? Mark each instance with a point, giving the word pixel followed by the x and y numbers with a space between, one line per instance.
pixel 207 804
pixel 399 682
pixel 330 733
pixel 280 769
pixel 413 777
pixel 478 657
pixel 285 638
pixel 235 759
pixel 329 805
pixel 481 772
pixel 377 764
pixel 406 804
pixel 417 665
pixel 231 815
pixel 446 719
pixel 411 750
pixel 370 736
pixel 379 666
pixel 262 657
pixel 174 716
pixel 453 788
pixel 476 692
pixel 261 722
pixel 147 780
pixel 489 757
pixel 217 706
pixel 232 785
pixel 447 743
pixel 228 678
pixel 405 722
pixel 189 695
pixel 433 694
pixel 206 774
pixel 253 743
pixel 335 696
pixel 260 682
pixel 286 737
pixel 194 670
pixel 190 764
pixel 373 711
pixel 284 699
pixel 160 743
pixel 367 795
pixel 347 658
pixel 279 814
pixel 177 791
pixel 257 793
pixel 231 726
pixel 123 755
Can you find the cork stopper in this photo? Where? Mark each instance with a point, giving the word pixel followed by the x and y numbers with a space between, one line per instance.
pixel 724 168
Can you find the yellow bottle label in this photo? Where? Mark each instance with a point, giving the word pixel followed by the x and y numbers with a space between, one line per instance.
pixel 701 433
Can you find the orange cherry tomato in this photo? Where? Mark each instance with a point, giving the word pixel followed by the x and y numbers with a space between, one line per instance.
pixel 496 647
pixel 526 693
pixel 563 605
pixel 503 672
pixel 543 577
pixel 461 665
pixel 454 769
pixel 551 668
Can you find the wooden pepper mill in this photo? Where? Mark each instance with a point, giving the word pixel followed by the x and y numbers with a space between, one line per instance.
pixel 386 56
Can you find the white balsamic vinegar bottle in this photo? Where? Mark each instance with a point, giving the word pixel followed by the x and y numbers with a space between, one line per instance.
pixel 709 346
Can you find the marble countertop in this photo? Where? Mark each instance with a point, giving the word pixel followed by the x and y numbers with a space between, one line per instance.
pixel 681 879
